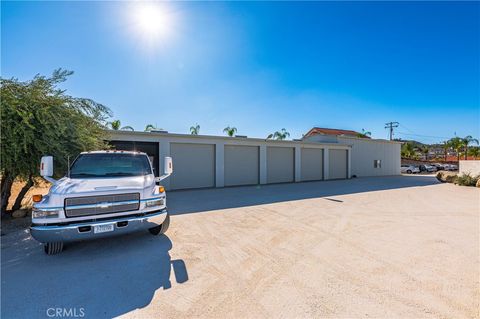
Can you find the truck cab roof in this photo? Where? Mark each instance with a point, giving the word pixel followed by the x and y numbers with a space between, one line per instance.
pixel 113 151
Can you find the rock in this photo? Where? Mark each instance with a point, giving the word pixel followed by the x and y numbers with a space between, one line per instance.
pixel 20 213
pixel 440 177
pixel 451 178
pixel 478 183
pixel 447 177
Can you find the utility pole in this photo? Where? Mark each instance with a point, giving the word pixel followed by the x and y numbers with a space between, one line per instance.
pixel 390 126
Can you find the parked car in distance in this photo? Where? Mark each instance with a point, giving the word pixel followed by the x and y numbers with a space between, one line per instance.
pixel 409 169
pixel 451 167
pixel 427 168
pixel 439 166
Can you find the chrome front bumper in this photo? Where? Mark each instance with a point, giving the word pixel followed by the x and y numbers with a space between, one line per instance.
pixel 72 232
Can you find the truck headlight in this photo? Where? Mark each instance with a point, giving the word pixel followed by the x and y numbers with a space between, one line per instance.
pixel 154 202
pixel 45 213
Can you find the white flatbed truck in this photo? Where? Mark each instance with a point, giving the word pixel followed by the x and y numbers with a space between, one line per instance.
pixel 105 193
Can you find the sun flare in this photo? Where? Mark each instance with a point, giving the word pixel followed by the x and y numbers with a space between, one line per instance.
pixel 152 21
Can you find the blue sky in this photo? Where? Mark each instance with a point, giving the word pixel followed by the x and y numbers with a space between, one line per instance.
pixel 261 66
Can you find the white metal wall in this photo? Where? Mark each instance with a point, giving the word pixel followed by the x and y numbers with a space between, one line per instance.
pixel 365 151
pixel 241 165
pixel 206 161
pixel 312 164
pixel 471 167
pixel 280 164
pixel 194 165
pixel 338 164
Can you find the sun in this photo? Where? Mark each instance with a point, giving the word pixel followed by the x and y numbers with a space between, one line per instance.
pixel 151 20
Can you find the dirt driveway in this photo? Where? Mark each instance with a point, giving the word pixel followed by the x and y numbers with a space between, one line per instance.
pixel 389 247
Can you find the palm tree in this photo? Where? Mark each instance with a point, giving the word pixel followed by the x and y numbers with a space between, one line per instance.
pixel 425 150
pixel 446 146
pixel 474 152
pixel 230 130
pixel 457 144
pixel 466 141
pixel 281 135
pixel 408 150
pixel 150 127
pixel 364 133
pixel 117 125
pixel 194 130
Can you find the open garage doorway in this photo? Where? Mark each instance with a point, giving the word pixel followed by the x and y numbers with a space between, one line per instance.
pixel 151 148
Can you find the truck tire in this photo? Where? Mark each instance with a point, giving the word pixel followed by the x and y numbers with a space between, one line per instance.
pixel 53 248
pixel 162 228
pixel 409 172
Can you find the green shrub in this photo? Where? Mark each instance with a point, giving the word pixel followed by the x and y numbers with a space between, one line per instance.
pixel 467 180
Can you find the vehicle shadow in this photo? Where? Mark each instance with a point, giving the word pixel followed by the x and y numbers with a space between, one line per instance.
pixel 195 201
pixel 106 278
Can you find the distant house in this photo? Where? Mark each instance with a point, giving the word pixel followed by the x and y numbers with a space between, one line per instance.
pixel 333 132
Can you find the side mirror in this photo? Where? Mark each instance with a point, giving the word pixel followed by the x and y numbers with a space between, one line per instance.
pixel 168 166
pixel 46 166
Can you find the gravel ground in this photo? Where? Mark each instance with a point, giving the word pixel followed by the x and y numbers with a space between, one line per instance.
pixel 388 247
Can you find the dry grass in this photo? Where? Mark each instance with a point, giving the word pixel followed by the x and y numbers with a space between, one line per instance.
pixel 40 187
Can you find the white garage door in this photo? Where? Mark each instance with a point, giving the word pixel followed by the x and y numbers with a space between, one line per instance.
pixel 337 164
pixel 280 164
pixel 241 165
pixel 193 165
pixel 312 164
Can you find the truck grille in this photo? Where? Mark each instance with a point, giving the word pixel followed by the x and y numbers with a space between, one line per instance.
pixel 104 204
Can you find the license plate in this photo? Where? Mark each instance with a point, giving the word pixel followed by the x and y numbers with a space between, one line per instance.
pixel 102 228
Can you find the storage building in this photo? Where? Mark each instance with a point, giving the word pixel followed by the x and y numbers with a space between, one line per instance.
pixel 202 161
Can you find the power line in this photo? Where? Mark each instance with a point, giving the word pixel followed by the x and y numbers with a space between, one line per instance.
pixel 391 126
pixel 407 128
pixel 412 133
pixel 420 135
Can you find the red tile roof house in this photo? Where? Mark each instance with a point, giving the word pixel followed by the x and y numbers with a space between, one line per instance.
pixel 334 132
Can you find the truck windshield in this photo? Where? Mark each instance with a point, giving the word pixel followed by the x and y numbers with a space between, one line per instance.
pixel 110 165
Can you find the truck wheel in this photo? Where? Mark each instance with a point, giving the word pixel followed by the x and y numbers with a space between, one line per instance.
pixel 53 248
pixel 409 172
pixel 162 228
